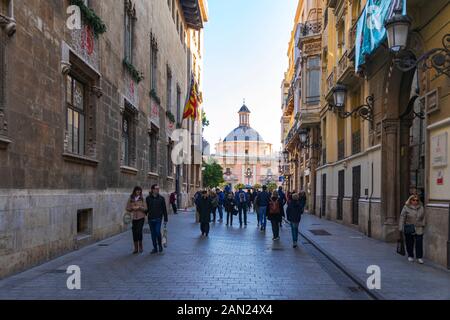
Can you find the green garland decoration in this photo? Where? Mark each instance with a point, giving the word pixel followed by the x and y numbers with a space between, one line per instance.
pixel 136 75
pixel 94 21
pixel 155 96
pixel 170 116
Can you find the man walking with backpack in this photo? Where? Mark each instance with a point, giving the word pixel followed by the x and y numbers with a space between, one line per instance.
pixel 241 200
pixel 275 214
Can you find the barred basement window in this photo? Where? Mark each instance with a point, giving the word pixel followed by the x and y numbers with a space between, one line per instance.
pixel 84 222
pixel 76 107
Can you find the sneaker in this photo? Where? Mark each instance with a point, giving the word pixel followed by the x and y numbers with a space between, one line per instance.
pixel 154 251
pixel 294 245
pixel 420 261
pixel 411 259
pixel 277 238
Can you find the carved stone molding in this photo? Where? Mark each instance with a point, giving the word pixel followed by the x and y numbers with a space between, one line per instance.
pixel 391 126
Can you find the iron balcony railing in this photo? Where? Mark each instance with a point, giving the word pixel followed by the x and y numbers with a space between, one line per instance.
pixel 310 28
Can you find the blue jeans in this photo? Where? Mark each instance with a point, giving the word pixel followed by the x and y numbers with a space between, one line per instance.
pixel 155 229
pixel 294 228
pixel 220 207
pixel 263 216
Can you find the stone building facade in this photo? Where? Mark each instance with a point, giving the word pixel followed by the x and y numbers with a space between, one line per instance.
pixel 301 102
pixel 86 114
pixel 391 137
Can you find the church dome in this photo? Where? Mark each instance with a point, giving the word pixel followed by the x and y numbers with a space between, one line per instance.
pixel 244 132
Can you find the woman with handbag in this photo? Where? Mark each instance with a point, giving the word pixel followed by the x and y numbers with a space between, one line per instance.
pixel 412 224
pixel 137 207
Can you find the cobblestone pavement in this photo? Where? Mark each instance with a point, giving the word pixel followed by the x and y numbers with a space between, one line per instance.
pixel 234 263
pixel 400 279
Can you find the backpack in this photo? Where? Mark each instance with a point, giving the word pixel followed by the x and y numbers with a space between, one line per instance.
pixel 215 202
pixel 274 207
pixel 242 197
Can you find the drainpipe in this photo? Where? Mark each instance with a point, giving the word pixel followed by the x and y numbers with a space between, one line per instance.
pixel 448 239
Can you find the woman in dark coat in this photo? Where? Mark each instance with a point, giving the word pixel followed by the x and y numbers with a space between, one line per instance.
pixel 230 205
pixel 294 214
pixel 204 209
pixel 275 214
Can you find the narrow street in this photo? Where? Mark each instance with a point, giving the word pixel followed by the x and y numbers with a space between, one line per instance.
pixel 233 263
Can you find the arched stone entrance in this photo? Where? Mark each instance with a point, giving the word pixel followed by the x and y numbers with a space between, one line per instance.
pixel 399 101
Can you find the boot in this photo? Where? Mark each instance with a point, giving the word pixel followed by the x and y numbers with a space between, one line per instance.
pixel 141 248
pixel 136 247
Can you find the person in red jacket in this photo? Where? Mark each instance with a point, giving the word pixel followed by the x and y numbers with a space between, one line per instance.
pixel 173 201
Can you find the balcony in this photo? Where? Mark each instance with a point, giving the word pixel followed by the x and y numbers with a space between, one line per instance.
pixel 331 81
pixel 309 28
pixel 341 149
pixel 345 70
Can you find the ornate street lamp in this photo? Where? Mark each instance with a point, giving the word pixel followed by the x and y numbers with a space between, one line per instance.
pixel 364 111
pixel 305 141
pixel 398 28
pixel 339 95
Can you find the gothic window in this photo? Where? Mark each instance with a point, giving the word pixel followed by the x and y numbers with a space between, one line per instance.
pixel 153 64
pixel 76 115
pixel 82 94
pixel 153 149
pixel 129 121
pixel 130 18
pixel 169 89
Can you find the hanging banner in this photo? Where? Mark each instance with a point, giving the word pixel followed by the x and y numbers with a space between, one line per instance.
pixel 370 29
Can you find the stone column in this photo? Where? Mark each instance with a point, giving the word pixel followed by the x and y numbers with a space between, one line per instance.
pixel 390 177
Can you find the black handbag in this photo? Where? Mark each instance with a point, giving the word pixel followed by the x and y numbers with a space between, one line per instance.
pixel 401 247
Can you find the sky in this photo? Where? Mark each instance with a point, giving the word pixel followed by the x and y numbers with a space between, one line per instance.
pixel 245 56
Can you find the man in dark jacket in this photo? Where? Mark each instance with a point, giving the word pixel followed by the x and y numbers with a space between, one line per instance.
pixel 241 199
pixel 262 200
pixel 204 208
pixel 294 215
pixel 156 209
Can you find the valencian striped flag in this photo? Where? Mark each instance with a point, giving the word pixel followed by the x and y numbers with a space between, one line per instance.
pixel 193 103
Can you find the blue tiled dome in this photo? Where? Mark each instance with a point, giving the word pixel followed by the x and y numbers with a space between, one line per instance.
pixel 243 133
